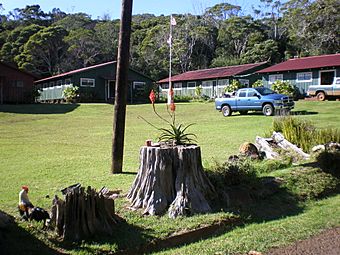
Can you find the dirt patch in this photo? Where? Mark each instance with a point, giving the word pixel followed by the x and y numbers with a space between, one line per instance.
pixel 325 243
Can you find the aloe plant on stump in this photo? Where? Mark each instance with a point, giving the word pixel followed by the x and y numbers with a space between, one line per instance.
pixel 171 176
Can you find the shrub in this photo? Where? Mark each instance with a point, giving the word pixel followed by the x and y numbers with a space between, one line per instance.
pixel 179 99
pixel 36 92
pixel 70 93
pixel 232 173
pixel 283 87
pixel 298 131
pixel 233 86
pixel 258 83
pixel 303 133
pixel 330 162
pixel 198 91
pixel 271 165
pixel 310 183
pixel 327 135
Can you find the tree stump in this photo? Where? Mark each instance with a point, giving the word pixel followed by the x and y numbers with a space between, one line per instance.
pixel 171 178
pixel 84 214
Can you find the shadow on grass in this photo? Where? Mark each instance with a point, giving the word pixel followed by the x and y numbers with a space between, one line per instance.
pixel 127 239
pixel 38 108
pixel 128 173
pixel 303 113
pixel 274 207
pixel 16 240
pixel 263 199
pixel 257 113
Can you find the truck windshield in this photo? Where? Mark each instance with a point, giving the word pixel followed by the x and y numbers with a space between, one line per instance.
pixel 265 91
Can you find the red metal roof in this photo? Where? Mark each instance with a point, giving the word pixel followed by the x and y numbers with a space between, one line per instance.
pixel 212 73
pixel 305 63
pixel 76 71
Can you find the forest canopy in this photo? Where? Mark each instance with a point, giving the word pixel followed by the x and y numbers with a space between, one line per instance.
pixel 50 43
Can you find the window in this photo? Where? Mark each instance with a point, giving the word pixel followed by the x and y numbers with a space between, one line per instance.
pixel 86 82
pixel 242 94
pixel 304 77
pixel 67 81
pixel 165 86
pixel 222 83
pixel 178 85
pixel 191 84
pixel 244 82
pixel 252 93
pixel 207 84
pixel 18 84
pixel 275 77
pixel 138 85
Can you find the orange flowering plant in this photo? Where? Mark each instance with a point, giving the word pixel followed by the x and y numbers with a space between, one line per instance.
pixel 177 133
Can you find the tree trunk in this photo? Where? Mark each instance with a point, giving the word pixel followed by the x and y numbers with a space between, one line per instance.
pixel 171 178
pixel 264 146
pixel 121 87
pixel 283 143
pixel 84 214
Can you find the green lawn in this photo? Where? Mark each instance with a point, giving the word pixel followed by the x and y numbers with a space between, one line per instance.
pixel 49 147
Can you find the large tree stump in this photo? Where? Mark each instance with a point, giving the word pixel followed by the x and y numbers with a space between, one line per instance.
pixel 84 214
pixel 171 178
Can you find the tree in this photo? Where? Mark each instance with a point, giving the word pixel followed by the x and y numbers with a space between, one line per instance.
pixel 270 12
pixel 234 37
pixel 263 51
pixel 107 37
pixel 29 15
pixel 75 21
pixel 221 12
pixel 83 49
pixel 192 39
pixel 15 42
pixel 44 52
pixel 313 26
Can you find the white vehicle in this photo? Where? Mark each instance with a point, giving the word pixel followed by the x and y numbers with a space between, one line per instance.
pixel 325 91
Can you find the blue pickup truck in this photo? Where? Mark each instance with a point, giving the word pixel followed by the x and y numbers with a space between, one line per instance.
pixel 254 99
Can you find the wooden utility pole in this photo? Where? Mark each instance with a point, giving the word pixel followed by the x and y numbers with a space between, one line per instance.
pixel 121 87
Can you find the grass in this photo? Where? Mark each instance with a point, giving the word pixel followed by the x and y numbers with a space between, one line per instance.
pixel 265 235
pixel 49 147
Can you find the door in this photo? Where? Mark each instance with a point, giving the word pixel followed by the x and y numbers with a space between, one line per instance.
pixel 253 102
pixel 326 80
pixel 242 100
pixel 327 77
pixel 110 88
pixel 336 87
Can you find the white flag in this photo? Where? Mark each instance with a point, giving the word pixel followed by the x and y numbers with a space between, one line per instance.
pixel 173 21
pixel 169 40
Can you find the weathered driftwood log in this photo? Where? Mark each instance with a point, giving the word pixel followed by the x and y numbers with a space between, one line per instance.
pixel 264 146
pixel 171 177
pixel 286 145
pixel 84 214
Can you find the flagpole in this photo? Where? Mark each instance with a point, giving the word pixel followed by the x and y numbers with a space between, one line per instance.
pixel 170 57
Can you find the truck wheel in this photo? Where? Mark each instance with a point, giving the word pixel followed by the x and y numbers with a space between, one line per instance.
pixel 321 96
pixel 226 111
pixel 243 112
pixel 268 110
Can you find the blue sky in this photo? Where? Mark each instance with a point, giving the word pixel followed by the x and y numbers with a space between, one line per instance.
pixel 97 8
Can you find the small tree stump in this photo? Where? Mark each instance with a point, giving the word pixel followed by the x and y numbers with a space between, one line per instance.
pixel 171 178
pixel 84 214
